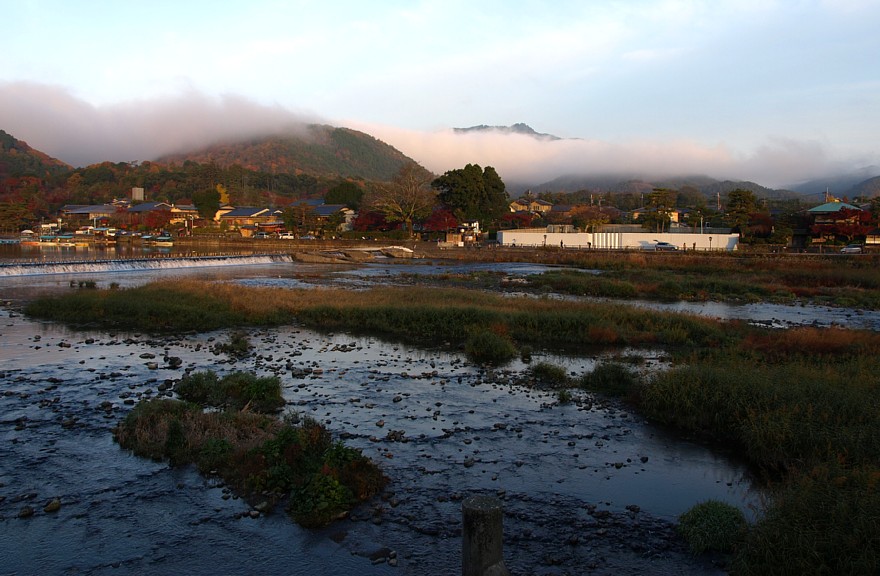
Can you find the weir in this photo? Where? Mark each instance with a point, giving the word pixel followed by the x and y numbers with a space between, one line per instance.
pixel 136 264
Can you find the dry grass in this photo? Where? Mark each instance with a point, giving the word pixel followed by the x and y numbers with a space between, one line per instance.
pixel 809 341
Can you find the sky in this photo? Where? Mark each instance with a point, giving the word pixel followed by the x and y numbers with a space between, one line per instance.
pixel 773 91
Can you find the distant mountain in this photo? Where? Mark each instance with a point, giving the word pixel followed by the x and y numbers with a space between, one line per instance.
pixel 319 150
pixel 840 185
pixel 19 159
pixel 631 184
pixel 867 189
pixel 518 128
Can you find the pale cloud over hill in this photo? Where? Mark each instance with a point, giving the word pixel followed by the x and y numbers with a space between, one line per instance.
pixel 53 120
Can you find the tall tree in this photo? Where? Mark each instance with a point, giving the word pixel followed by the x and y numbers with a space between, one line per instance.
pixel 406 198
pixel 13 216
pixel 473 193
pixel 347 193
pixel 741 204
pixel 207 202
pixel 589 218
pixel 661 203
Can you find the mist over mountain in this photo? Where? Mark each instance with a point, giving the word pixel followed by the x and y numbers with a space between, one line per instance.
pixel 518 128
pixel 65 126
pixel 186 125
pixel 844 184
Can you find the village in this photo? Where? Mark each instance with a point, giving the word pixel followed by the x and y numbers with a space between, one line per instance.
pixel 532 222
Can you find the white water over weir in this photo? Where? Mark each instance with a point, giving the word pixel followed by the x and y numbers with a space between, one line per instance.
pixel 136 264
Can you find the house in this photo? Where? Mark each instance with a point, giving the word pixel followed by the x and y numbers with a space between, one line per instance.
pixel 326 213
pixel 674 214
pixel 530 204
pixel 83 214
pixel 466 233
pixel 149 207
pixel 833 212
pixel 239 218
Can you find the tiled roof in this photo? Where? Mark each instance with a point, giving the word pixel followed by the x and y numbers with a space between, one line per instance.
pixel 830 207
pixel 149 207
pixel 246 212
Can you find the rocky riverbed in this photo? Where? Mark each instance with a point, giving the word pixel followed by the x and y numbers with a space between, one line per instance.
pixel 587 486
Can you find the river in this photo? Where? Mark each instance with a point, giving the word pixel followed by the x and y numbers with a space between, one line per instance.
pixel 587 486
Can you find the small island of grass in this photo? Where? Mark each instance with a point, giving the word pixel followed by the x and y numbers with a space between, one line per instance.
pixel 264 458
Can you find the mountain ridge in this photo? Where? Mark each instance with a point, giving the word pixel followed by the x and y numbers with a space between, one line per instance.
pixel 18 159
pixel 518 128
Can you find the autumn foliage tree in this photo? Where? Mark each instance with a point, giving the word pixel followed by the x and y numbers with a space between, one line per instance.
pixel 407 198
pixel 848 225
pixel 440 220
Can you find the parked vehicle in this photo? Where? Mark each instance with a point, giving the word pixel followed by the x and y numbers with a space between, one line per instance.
pixel 852 249
pixel 287 236
pixel 261 235
pixel 665 247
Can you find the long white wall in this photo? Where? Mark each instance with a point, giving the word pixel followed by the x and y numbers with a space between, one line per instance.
pixel 617 240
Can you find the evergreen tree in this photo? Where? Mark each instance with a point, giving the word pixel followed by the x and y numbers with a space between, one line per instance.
pixel 473 193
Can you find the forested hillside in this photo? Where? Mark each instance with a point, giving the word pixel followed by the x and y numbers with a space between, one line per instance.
pixel 17 159
pixel 320 151
pixel 268 171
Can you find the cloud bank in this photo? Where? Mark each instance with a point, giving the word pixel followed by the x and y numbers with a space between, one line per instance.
pixel 526 160
pixel 52 120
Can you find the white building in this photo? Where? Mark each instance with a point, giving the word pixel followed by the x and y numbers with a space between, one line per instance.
pixel 536 237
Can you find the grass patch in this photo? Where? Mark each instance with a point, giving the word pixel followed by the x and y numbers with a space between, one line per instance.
pixel 489 347
pixel 263 458
pixel 712 526
pixel 736 277
pixel 259 455
pixel 547 375
pixel 612 379
pixel 822 521
pixel 236 391
pixel 238 346
pixel 159 307
pixel 583 284
pixel 414 314
pixel 812 426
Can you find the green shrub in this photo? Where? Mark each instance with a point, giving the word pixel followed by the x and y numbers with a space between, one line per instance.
pixel 258 455
pixel 549 375
pixel 712 526
pixel 202 388
pixel 611 379
pixel 319 501
pixel 487 347
pixel 235 391
pixel 214 455
pixel 238 345
pixel 821 522
pixel 248 391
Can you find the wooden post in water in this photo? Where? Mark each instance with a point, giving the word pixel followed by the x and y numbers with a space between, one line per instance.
pixel 482 537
